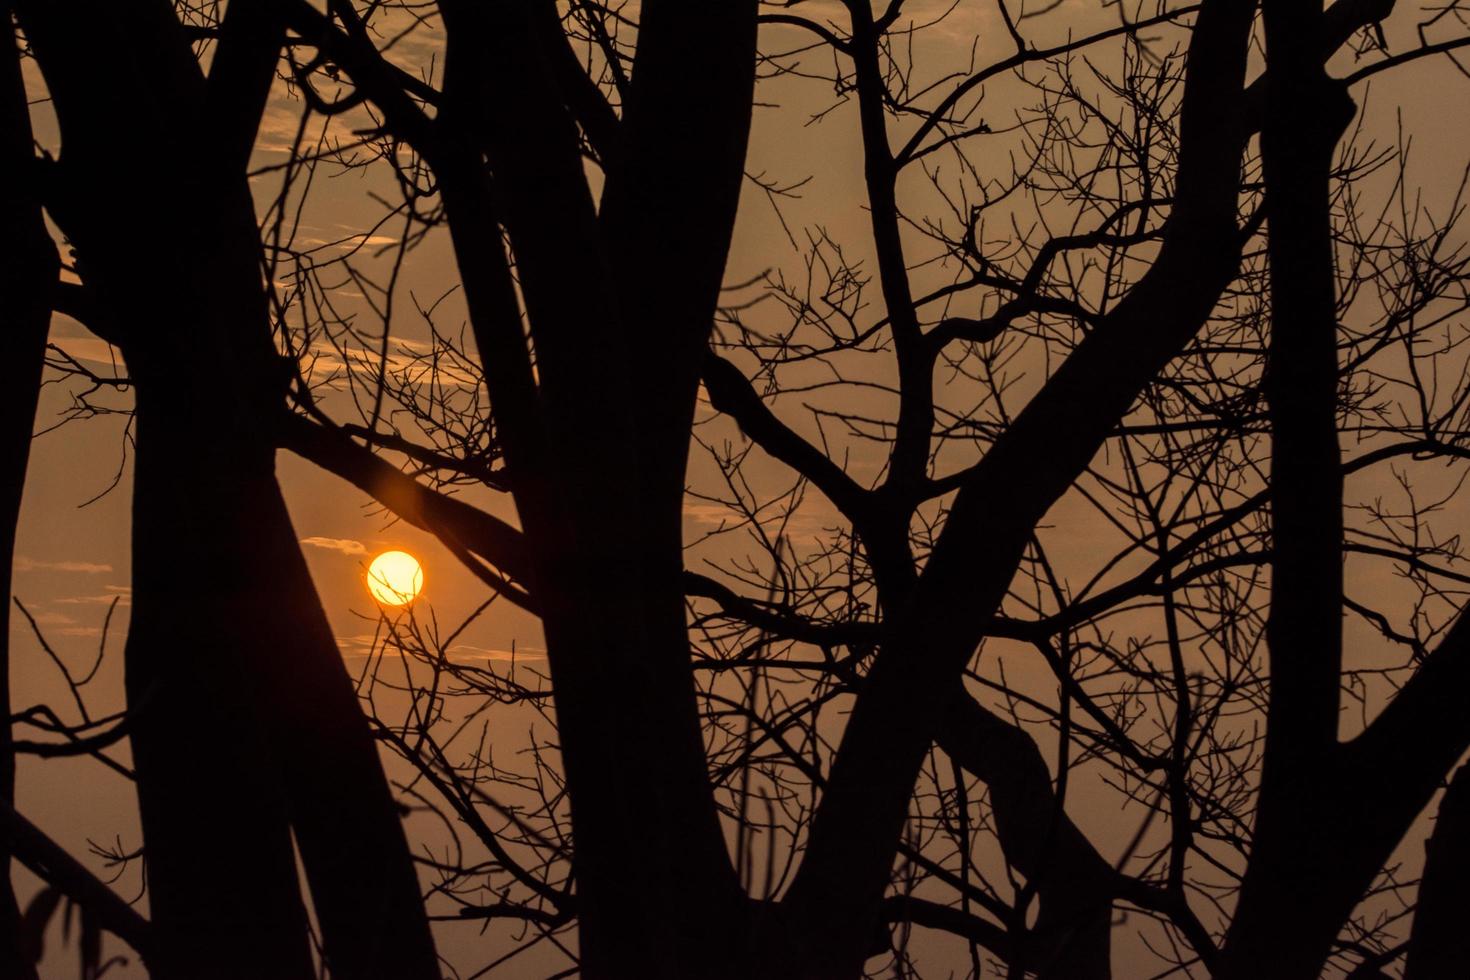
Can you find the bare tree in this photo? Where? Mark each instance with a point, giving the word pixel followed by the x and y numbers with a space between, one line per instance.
pixel 1149 310
pixel 243 724
pixel 31 264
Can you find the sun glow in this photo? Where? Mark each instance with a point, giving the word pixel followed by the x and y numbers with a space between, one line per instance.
pixel 395 578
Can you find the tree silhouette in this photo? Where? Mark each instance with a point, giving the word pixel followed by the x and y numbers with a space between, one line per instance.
pixel 243 726
pixel 32 262
pixel 776 756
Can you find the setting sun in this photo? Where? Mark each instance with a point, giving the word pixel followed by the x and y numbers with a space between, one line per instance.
pixel 395 578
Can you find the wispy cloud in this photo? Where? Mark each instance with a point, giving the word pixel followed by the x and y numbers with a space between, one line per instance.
pixel 25 564
pixel 366 644
pixel 344 545
pixel 358 241
pixel 120 594
pixel 51 619
pixel 405 361
pixel 464 653
pixel 809 524
pixel 714 515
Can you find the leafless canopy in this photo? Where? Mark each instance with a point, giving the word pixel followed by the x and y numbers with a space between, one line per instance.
pixel 1026 542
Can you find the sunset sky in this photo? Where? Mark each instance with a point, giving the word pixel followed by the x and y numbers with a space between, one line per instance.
pixel 73 543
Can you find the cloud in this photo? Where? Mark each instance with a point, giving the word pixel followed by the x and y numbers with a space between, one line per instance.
pixel 465 653
pixel 366 644
pixel 405 362
pixel 51 619
pixel 24 564
pixel 345 545
pixel 119 594
pixel 358 241
pixel 714 514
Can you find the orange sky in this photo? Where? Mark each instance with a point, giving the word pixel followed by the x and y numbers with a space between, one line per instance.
pixel 73 560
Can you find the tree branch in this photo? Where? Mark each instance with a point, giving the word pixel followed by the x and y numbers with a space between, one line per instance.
pixel 52 864
pixel 1026 470
pixel 240 78
pixel 492 539
pixel 730 393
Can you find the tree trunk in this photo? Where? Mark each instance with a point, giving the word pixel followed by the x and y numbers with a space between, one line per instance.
pixel 222 882
pixel 1439 943
pixel 213 537
pixel 28 273
pixel 656 894
pixel 838 888
pixel 1304 875
pixel 246 717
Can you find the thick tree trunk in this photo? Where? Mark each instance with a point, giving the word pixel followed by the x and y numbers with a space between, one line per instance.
pixel 1439 943
pixel 1310 870
pixel 206 499
pixel 656 892
pixel 1310 862
pixel 246 716
pixel 226 619
pixel 223 894
pixel 633 905
pixel 28 270
pixel 1306 873
pixel 641 909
